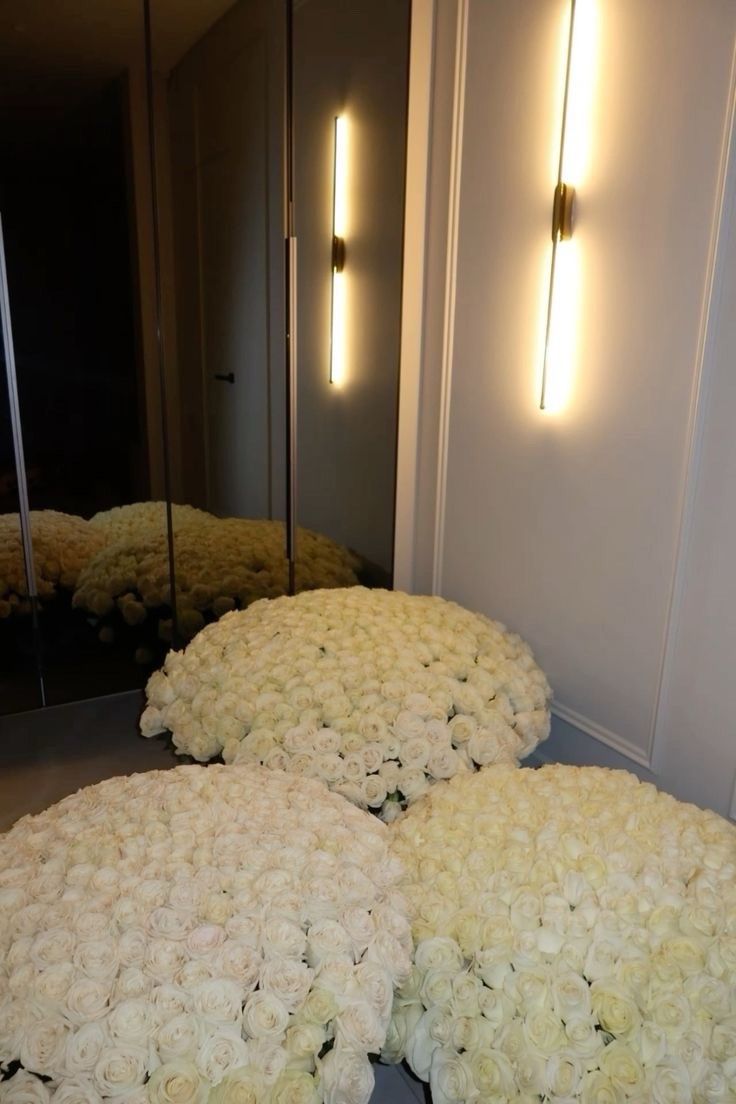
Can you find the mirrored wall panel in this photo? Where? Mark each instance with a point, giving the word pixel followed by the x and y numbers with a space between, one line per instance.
pixel 350 70
pixel 143 190
pixel 218 102
pixel 75 201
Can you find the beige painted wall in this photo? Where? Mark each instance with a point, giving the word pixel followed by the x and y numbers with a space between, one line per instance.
pixel 593 532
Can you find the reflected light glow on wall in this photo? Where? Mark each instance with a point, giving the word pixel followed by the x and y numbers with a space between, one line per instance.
pixel 339 204
pixel 562 313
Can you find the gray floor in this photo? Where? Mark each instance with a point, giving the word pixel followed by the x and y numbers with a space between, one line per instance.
pixel 47 754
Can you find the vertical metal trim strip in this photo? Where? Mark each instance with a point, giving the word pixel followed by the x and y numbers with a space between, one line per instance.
pixel 20 462
pixel 165 444
pixel 290 263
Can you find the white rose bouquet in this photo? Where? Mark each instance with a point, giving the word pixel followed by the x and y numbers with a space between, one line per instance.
pixel 62 546
pixel 139 521
pixel 231 934
pixel 575 935
pixel 377 693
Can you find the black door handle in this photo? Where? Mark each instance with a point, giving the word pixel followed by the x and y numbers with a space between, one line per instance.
pixel 229 378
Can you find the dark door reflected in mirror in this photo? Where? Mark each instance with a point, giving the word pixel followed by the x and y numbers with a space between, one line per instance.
pixel 218 78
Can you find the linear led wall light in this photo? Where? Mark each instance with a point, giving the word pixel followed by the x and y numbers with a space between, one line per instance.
pixel 560 320
pixel 337 302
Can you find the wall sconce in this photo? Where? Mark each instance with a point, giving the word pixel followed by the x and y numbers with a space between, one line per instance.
pixel 560 319
pixel 337 300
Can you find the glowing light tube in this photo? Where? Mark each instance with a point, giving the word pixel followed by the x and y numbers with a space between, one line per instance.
pixel 559 338
pixel 337 301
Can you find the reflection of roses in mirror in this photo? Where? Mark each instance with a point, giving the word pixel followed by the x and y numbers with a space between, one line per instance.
pixel 62 546
pixel 574 939
pixel 377 693
pixel 162 939
pixel 221 565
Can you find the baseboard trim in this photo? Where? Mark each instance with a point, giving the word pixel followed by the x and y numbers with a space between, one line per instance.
pixel 602 735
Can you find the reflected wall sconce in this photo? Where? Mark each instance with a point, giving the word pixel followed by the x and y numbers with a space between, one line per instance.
pixel 560 317
pixel 337 299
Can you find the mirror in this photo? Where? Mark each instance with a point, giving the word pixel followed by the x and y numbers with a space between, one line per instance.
pixel 351 72
pixel 76 207
pixel 144 207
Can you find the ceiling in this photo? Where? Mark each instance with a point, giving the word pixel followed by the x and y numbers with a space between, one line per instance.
pixel 54 52
pixel 101 35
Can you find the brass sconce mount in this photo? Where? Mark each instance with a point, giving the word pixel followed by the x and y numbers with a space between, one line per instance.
pixel 338 253
pixel 563 212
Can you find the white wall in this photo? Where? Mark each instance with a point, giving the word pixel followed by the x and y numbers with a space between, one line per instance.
pixel 351 60
pixel 593 532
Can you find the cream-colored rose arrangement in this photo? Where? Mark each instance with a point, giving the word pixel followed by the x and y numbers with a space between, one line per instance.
pixel 139 521
pixel 230 934
pixel 62 546
pixel 575 935
pixel 378 693
pixel 220 564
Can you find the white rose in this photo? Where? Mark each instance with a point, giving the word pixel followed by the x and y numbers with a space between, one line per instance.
pixel 131 1021
pixel 432 1030
pixel 563 1073
pixel 614 1009
pixel 283 938
pixel 221 1052
pixel 218 1000
pixel 24 1088
pixel 119 1069
pixel 408 725
pixel 84 1047
pixel 327 939
pixel 241 1086
pixel 450 1077
pixel 295 1087
pixel 444 762
pixel 491 1072
pixel 204 939
pixel 264 1016
pixel 596 1088
pixel 288 980
pixel 238 959
pixel 401 1029
pixel 98 959
pixel 374 791
pixel 671 1083
pixel 358 1026
pixel 622 1066
pixel 177 1082
pixel 43 1045
pixel 178 1037
pixel 78 1090
pixel 345 1077
pixel 163 958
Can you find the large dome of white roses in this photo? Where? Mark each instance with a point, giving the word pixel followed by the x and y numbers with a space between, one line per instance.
pixel 172 933
pixel 376 692
pixel 575 936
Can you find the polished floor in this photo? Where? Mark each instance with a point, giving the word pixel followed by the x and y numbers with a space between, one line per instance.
pixel 47 754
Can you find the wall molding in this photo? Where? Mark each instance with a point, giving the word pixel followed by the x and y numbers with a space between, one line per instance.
pixel 412 289
pixel 707 340
pixel 456 152
pixel 602 735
